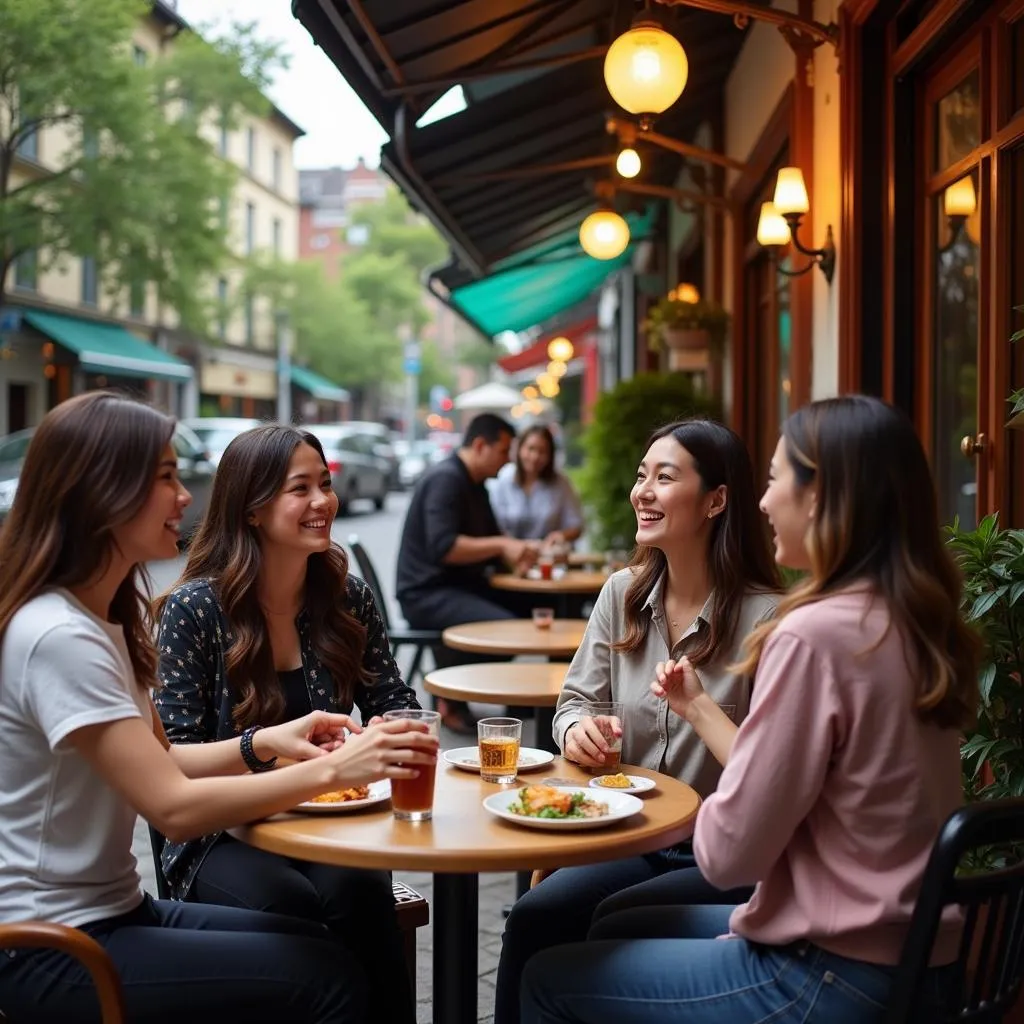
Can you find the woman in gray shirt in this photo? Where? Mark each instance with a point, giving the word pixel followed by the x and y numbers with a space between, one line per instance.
pixel 530 498
pixel 701 578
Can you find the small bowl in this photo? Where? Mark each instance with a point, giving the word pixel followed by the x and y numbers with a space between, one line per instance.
pixel 638 784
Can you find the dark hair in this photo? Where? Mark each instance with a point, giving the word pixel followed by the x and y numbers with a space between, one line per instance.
pixel 89 469
pixel 876 519
pixel 739 558
pixel 226 551
pixel 548 472
pixel 489 427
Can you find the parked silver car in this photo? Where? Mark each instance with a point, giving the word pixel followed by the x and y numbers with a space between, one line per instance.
pixel 357 471
pixel 194 468
pixel 217 432
pixel 383 447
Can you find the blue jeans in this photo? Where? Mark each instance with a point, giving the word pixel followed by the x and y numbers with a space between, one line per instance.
pixel 696 978
pixel 182 962
pixel 564 906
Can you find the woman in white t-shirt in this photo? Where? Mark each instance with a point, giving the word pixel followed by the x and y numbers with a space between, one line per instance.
pixel 84 753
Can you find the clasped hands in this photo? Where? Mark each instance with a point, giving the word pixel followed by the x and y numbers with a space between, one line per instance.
pixel 319 733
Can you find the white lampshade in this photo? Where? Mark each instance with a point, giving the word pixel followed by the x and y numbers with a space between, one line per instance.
pixel 627 163
pixel 959 199
pixel 645 69
pixel 771 227
pixel 790 191
pixel 604 235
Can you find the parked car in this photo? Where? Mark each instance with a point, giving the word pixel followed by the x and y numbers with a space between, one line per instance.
pixel 383 447
pixel 194 467
pixel 415 460
pixel 217 432
pixel 357 470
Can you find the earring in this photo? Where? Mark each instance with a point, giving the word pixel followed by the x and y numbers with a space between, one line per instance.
pixel 711 515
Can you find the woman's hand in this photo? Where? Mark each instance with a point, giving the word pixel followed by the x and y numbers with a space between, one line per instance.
pixel 313 735
pixel 555 539
pixel 390 750
pixel 586 742
pixel 678 683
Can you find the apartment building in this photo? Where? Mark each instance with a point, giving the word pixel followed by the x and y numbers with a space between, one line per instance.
pixel 61 334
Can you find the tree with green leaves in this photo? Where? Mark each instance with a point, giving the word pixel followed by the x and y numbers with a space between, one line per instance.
pixel 137 184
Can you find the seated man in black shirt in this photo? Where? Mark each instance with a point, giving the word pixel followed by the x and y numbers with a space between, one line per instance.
pixel 451 542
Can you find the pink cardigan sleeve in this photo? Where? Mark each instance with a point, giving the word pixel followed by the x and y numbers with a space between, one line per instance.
pixel 777 766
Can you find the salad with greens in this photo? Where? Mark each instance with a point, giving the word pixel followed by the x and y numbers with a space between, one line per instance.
pixel 549 802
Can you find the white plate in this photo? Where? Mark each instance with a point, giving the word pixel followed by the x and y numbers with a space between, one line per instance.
pixel 639 784
pixel 620 806
pixel 468 759
pixel 379 792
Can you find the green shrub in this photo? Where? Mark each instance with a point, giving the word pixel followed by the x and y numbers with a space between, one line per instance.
pixel 614 444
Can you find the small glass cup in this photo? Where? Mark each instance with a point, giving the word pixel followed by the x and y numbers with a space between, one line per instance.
pixel 498 740
pixel 413 799
pixel 546 566
pixel 543 617
pixel 606 715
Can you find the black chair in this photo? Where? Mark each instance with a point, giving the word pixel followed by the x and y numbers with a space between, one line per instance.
pixel 156 840
pixel 420 639
pixel 991 956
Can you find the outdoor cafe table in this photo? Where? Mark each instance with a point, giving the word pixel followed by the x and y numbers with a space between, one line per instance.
pixel 462 841
pixel 534 684
pixel 567 590
pixel 516 636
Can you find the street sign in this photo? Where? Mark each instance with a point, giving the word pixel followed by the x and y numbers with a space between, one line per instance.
pixel 10 321
pixel 411 367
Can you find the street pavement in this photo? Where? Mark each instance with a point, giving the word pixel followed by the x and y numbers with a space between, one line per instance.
pixel 380 533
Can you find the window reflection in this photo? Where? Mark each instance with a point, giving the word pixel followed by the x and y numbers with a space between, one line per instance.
pixel 958 122
pixel 957 267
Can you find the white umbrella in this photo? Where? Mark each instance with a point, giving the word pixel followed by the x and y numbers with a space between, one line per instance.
pixel 488 396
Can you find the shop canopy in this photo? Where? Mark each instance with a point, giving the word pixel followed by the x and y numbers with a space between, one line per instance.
pixel 108 348
pixel 319 387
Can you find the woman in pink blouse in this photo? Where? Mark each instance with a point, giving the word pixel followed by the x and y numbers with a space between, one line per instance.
pixel 837 782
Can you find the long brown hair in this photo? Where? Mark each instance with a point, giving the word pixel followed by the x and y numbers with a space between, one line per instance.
pixel 226 551
pixel 89 469
pixel 547 474
pixel 876 520
pixel 739 559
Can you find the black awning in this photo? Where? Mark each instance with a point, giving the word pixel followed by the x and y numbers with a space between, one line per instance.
pixel 548 115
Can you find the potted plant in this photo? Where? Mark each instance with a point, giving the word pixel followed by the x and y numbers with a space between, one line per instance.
pixel 613 444
pixel 682 326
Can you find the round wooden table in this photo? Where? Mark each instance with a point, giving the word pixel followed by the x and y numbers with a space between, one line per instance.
pixel 575 581
pixel 516 636
pixel 463 840
pixel 515 683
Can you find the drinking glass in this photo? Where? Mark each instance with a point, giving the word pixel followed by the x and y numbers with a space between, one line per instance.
pixel 546 566
pixel 499 748
pixel 413 799
pixel 543 617
pixel 606 714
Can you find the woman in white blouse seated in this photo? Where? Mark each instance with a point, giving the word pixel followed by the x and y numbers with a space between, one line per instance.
pixel 531 499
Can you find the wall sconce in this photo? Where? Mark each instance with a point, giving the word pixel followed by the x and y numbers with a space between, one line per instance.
pixel 604 235
pixel 960 204
pixel 780 219
pixel 627 163
pixel 645 69
pixel 560 348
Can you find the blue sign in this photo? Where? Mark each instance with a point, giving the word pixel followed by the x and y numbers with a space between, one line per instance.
pixel 411 366
pixel 10 321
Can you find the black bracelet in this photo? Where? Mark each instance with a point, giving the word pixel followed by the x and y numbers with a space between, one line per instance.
pixel 252 762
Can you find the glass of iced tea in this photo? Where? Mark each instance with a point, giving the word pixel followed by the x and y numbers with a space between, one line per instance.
pixel 606 715
pixel 499 748
pixel 413 799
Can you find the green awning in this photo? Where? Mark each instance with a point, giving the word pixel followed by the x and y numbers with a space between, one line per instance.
pixel 531 287
pixel 107 348
pixel 317 386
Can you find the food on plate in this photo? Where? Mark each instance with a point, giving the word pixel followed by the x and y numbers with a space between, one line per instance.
pixel 616 781
pixel 342 796
pixel 549 802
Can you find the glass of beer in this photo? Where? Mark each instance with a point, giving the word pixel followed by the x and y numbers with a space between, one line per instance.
pixel 413 799
pixel 499 748
pixel 607 715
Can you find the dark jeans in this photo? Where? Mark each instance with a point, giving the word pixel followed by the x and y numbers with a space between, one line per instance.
pixel 655 964
pixel 205 965
pixel 356 905
pixel 562 908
